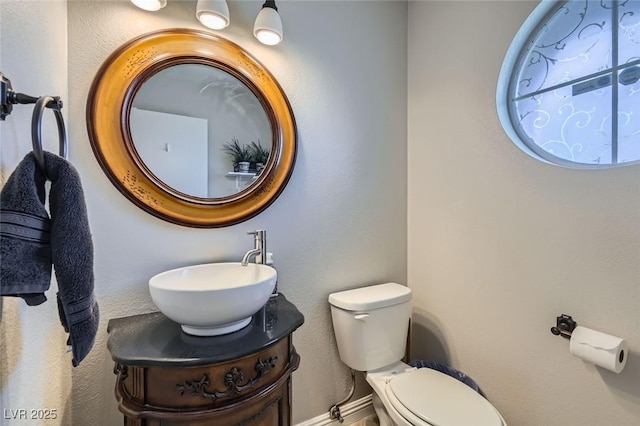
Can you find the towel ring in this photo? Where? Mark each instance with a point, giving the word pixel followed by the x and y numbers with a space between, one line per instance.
pixel 36 127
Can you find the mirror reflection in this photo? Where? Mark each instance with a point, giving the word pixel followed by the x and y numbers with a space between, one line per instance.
pixel 200 130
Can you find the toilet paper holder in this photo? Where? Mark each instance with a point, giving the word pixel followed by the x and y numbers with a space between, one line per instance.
pixel 564 326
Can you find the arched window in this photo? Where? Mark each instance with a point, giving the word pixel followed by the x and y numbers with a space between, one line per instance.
pixel 569 90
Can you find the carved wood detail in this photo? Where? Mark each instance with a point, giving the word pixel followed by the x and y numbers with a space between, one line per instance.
pixel 232 379
pixel 121 371
pixel 138 383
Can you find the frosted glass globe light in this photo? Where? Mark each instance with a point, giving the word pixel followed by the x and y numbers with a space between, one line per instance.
pixel 213 14
pixel 268 26
pixel 150 5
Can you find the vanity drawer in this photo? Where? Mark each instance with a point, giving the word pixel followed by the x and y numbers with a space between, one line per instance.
pixel 215 385
pixel 271 409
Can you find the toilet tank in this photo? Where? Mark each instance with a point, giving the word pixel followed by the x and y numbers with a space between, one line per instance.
pixel 371 324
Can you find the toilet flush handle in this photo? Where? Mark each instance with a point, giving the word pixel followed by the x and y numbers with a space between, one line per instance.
pixel 361 317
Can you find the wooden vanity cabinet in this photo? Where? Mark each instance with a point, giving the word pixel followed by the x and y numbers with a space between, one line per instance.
pixel 192 382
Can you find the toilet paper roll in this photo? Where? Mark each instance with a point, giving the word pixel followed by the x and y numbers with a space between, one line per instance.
pixel 598 348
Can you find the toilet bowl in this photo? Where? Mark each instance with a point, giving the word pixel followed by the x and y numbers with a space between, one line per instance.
pixel 371 324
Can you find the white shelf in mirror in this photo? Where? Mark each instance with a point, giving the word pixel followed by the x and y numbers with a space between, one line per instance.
pixel 242 175
pixel 242 178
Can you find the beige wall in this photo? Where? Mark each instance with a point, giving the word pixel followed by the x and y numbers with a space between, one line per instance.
pixel 500 244
pixel 340 222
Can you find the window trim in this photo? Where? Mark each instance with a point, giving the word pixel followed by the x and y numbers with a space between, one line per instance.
pixel 534 22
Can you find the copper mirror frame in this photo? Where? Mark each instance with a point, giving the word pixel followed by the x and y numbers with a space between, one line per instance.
pixel 108 110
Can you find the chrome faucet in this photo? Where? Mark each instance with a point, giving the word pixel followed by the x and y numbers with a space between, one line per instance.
pixel 260 247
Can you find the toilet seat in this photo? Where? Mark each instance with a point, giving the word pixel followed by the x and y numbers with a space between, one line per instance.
pixel 429 397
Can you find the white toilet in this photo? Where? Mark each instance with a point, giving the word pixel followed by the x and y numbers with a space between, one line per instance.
pixel 371 325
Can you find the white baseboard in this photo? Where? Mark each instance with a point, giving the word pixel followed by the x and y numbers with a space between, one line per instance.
pixel 351 413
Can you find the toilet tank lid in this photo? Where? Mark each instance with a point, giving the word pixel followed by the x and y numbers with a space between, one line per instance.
pixel 371 297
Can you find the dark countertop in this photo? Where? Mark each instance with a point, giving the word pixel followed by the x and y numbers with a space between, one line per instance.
pixel 155 340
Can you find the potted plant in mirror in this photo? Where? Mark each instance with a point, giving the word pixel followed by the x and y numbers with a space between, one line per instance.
pixel 259 154
pixel 240 154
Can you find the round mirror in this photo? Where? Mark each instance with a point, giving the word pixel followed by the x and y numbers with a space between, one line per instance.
pixel 191 128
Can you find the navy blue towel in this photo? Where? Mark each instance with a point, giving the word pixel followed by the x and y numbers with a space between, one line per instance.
pixel 25 234
pixel 67 239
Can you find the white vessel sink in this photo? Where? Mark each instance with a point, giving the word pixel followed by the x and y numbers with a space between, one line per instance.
pixel 214 298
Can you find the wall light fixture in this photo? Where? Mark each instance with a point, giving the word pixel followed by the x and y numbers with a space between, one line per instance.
pixel 213 14
pixel 150 5
pixel 268 25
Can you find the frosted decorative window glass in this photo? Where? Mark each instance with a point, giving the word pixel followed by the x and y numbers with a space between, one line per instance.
pixel 569 90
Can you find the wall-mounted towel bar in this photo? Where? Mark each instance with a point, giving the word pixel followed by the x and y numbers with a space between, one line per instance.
pixel 8 98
